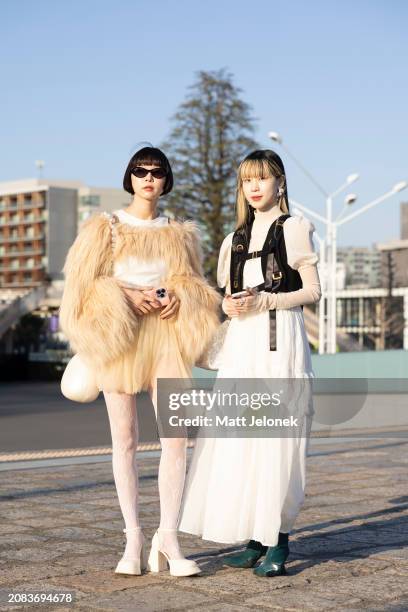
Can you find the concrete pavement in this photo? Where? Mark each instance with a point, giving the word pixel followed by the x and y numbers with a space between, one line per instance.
pixel 61 529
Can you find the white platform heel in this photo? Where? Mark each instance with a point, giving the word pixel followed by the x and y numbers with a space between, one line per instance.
pixel 158 560
pixel 134 567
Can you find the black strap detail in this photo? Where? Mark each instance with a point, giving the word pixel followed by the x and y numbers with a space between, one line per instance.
pixel 272 330
pixel 273 278
pixel 253 255
pixel 239 250
pixel 270 265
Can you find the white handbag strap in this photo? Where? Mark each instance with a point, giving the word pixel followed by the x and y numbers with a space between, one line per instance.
pixel 113 220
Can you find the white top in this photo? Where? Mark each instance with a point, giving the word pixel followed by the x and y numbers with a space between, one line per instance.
pixel 135 270
pixel 297 231
pixel 125 217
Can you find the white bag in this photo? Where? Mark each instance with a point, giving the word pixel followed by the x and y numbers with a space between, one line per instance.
pixel 210 360
pixel 78 381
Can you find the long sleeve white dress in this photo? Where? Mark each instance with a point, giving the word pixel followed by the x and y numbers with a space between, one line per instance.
pixel 239 489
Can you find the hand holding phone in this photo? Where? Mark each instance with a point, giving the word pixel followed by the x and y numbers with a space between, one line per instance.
pixel 246 293
pixel 142 302
pixel 159 294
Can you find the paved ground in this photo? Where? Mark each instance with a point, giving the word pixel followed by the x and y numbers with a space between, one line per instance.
pixel 61 529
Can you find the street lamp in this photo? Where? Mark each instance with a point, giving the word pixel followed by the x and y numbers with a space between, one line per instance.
pixel 328 247
pixel 40 163
pixel 400 186
pixel 276 137
pixel 348 201
pixel 323 280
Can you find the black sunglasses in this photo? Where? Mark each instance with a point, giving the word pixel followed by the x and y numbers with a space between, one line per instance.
pixel 157 173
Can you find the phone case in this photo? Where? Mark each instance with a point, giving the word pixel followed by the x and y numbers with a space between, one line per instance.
pixel 160 294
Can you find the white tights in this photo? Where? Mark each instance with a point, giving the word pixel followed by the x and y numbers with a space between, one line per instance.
pixel 121 409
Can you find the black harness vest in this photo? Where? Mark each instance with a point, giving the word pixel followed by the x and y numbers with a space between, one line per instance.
pixel 278 275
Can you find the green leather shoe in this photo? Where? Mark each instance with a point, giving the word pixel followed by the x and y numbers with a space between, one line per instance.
pixel 248 557
pixel 274 562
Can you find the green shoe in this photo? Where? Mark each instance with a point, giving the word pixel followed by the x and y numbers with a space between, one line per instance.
pixel 274 562
pixel 248 557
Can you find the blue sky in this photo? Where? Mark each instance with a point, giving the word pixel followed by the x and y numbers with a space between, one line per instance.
pixel 84 82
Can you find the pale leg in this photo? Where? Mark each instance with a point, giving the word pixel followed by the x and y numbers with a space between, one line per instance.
pixel 172 469
pixel 124 430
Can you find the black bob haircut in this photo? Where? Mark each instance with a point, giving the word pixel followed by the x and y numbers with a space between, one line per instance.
pixel 148 156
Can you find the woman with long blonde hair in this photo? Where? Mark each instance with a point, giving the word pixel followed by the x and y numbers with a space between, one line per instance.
pixel 252 488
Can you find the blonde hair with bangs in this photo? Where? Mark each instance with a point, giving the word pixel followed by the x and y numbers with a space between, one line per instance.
pixel 260 164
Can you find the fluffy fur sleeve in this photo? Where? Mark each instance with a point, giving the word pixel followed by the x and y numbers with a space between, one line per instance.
pixel 198 316
pixel 95 313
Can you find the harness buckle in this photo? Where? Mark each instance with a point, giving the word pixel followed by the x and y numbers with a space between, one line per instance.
pixel 277 275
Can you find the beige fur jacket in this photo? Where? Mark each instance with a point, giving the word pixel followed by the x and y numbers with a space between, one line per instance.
pixel 95 313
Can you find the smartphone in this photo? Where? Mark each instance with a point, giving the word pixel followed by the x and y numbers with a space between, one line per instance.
pixel 240 294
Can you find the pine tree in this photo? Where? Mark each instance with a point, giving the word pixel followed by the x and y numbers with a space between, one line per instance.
pixel 212 132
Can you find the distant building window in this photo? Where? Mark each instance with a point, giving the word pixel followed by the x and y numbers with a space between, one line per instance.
pixel 90 200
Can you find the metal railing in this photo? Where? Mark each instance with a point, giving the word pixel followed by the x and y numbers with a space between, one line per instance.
pixel 11 313
pixel 22 238
pixel 23 221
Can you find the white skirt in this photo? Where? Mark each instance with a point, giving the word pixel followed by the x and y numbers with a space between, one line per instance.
pixel 252 488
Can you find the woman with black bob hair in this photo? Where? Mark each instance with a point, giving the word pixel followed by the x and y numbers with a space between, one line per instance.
pixel 136 307
pixel 148 156
pixel 252 488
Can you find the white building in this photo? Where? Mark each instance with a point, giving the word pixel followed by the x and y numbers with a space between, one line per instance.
pixel 39 220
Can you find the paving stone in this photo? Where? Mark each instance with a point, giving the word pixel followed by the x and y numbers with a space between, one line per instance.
pixel 11 528
pixel 115 526
pixel 45 521
pixel 328 545
pixel 17 540
pixel 75 533
pixel 80 563
pixel 227 607
pixel 30 555
pixel 321 571
pixel 104 581
pixel 303 599
pixel 15 573
pixel 151 599
pixel 382 586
